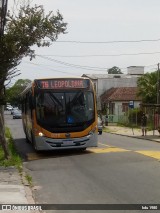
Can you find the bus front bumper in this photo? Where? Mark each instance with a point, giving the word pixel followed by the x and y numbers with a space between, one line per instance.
pixel 44 143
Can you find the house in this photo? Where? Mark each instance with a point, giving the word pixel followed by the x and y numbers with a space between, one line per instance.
pixel 117 101
pixel 104 82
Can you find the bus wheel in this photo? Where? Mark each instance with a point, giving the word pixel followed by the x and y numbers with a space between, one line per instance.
pixel 34 144
pixel 82 149
pixel 27 140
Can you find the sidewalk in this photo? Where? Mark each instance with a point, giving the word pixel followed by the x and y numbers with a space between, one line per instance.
pixel 14 189
pixel 133 132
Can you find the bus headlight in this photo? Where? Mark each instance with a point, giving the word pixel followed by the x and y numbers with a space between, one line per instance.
pixel 40 134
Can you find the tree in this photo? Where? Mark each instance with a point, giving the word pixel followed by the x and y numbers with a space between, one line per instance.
pixel 13 93
pixel 147 87
pixel 114 70
pixel 27 28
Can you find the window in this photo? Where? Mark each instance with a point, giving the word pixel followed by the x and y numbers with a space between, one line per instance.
pixel 65 109
pixel 125 107
pixel 112 108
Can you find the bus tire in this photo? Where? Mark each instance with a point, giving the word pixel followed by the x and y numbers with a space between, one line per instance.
pixel 27 140
pixel 34 144
pixel 83 149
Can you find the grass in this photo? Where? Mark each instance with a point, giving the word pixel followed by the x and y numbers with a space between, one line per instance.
pixel 106 129
pixel 29 179
pixel 14 159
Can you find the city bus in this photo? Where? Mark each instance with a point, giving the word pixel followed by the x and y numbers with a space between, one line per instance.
pixel 60 113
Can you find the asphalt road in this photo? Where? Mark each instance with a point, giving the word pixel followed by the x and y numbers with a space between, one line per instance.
pixel 121 170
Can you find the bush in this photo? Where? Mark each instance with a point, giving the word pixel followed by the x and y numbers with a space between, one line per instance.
pixel 14 159
pixel 135 116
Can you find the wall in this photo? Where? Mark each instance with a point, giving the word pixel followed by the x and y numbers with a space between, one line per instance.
pixel 105 84
pixel 118 106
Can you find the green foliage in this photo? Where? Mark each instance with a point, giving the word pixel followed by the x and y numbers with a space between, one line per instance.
pixel 29 179
pixel 114 70
pixel 135 116
pixel 13 93
pixel 147 87
pixel 27 28
pixel 7 133
pixel 14 159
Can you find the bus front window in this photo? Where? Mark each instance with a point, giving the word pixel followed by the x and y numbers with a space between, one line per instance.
pixel 67 109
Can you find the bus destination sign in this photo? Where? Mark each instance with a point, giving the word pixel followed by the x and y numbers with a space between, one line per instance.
pixel 62 83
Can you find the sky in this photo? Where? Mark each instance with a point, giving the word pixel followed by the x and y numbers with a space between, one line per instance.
pixel 97 38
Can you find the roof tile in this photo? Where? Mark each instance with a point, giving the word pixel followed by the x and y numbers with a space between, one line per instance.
pixel 121 94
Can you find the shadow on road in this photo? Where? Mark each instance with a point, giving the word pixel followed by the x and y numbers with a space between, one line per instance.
pixel 27 152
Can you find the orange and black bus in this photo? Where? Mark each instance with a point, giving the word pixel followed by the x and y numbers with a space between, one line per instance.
pixel 60 113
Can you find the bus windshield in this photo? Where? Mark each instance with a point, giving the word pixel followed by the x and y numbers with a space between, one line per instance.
pixel 71 110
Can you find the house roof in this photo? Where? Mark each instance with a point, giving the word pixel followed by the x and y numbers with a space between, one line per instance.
pixel 120 94
pixel 106 76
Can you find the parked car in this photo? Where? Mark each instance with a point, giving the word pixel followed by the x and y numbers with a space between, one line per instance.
pixel 17 114
pixel 9 107
pixel 100 126
pixel 14 109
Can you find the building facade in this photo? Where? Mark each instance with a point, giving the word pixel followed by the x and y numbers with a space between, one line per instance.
pixel 119 100
pixel 104 82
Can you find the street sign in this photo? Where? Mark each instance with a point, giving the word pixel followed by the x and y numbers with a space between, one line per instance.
pixel 131 104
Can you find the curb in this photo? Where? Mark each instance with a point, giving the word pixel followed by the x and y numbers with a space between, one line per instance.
pixel 133 137
pixel 28 190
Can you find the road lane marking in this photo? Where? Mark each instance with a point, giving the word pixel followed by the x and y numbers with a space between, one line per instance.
pixel 111 146
pixel 97 150
pixel 107 150
pixel 35 156
pixel 104 144
pixel 152 154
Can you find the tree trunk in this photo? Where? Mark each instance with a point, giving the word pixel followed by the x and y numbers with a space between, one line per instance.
pixel 2 134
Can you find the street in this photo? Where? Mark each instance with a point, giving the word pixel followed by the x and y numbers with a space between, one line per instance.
pixel 118 171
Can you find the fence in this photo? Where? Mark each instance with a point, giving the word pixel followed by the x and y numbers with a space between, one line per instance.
pixel 132 117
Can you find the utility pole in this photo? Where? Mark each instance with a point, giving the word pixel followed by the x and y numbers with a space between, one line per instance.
pixel 158 85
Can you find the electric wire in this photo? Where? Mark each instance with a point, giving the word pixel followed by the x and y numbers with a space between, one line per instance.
pixel 71 65
pixel 124 69
pixel 109 42
pixel 105 55
pixel 79 66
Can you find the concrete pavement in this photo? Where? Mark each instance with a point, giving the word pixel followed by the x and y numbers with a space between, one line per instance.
pixel 133 132
pixel 14 190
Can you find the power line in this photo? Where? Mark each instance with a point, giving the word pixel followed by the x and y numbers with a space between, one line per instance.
pixel 110 42
pixel 112 55
pixel 128 80
pixel 50 68
pixel 76 74
pixel 72 65
pixel 102 69
pixel 121 68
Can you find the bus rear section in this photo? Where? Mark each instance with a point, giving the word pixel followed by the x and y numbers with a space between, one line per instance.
pixel 63 115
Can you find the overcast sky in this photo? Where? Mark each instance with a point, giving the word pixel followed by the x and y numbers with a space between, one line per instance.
pixel 97 22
